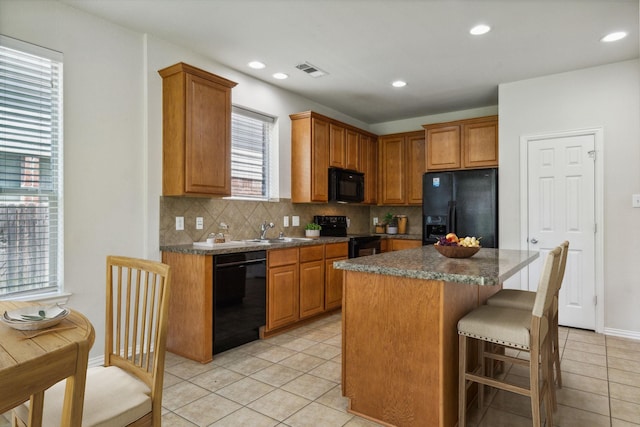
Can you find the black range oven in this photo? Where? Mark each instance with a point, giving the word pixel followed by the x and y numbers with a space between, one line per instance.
pixel 336 226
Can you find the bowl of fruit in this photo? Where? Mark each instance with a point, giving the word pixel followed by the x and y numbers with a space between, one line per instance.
pixel 452 246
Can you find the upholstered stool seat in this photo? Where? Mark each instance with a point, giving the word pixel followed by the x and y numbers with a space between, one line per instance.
pixel 513 298
pixel 499 325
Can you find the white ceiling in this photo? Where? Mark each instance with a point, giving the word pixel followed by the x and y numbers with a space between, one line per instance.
pixel 364 45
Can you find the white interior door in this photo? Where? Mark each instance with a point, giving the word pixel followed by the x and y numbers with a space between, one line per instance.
pixel 561 206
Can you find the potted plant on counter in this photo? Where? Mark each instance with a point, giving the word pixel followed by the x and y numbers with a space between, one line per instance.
pixel 312 230
pixel 392 225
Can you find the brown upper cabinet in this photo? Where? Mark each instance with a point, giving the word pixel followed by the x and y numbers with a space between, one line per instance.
pixel 309 158
pixel 196 132
pixel 369 166
pixel 337 146
pixel 317 143
pixel 463 144
pixel 401 166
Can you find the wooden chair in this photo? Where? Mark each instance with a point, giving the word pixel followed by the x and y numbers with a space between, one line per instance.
pixel 127 390
pixel 512 328
pixel 525 300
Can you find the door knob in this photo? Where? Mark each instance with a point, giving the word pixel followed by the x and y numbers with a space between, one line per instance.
pixel 534 240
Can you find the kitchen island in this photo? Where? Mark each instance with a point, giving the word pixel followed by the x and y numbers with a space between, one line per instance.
pixel 399 318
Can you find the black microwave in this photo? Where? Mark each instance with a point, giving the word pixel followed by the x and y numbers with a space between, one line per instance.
pixel 346 186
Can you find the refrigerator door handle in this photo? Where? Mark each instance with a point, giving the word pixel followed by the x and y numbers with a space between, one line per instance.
pixel 451 220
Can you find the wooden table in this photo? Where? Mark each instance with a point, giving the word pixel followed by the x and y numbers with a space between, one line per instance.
pixel 30 366
pixel 399 329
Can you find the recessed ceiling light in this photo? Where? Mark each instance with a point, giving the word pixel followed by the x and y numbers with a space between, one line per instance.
pixel 613 37
pixel 399 83
pixel 480 29
pixel 280 76
pixel 256 65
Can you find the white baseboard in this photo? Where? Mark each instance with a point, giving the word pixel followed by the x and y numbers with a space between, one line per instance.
pixel 96 361
pixel 634 335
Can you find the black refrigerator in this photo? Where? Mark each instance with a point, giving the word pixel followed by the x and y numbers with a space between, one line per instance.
pixel 463 202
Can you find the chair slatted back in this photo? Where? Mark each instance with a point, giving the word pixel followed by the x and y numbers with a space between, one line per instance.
pixel 136 318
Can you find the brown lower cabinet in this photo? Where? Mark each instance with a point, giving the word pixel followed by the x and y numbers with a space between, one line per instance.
pixel 333 287
pixel 389 245
pixel 301 283
pixel 282 287
pixel 401 244
pixel 311 280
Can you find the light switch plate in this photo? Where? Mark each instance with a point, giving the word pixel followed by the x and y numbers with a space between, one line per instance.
pixel 179 223
pixel 285 221
pixel 635 200
pixel 295 220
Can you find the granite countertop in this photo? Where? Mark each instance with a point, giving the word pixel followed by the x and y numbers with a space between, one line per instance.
pixel 487 267
pixel 235 246
pixel 399 236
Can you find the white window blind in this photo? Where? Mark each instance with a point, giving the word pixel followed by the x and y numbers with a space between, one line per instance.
pixel 30 154
pixel 250 141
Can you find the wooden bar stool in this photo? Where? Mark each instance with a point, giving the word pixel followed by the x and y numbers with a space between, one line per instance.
pixel 512 328
pixel 525 300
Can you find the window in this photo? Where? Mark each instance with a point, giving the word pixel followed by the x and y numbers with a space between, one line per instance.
pixel 30 168
pixel 250 143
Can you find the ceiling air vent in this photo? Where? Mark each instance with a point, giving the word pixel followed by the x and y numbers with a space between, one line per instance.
pixel 312 70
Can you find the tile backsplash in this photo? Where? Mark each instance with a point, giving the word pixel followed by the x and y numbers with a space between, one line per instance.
pixel 244 217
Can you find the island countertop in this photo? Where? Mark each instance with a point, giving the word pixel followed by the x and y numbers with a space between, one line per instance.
pixel 487 267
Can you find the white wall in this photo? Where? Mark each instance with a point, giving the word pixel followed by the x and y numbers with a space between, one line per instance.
pixel 103 134
pixel 415 123
pixel 606 97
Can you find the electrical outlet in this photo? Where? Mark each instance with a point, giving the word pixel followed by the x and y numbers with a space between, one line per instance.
pixel 635 200
pixel 285 221
pixel 179 223
pixel 199 223
pixel 375 220
pixel 295 221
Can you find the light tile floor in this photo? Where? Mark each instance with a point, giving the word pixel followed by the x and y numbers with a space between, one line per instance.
pixel 293 379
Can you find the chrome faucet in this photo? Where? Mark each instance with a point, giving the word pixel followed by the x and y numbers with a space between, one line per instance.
pixel 263 229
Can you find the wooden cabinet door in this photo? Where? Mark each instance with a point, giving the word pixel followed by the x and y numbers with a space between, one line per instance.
pixel 282 296
pixel 333 288
pixel 352 150
pixel 196 132
pixel 481 144
pixel 319 176
pixel 443 148
pixel 391 179
pixel 369 166
pixel 208 138
pixel 333 278
pixel 401 244
pixel 311 288
pixel 311 280
pixel 416 167
pixel 282 287
pixel 337 156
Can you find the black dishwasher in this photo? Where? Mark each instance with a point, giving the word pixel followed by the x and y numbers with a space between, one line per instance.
pixel 239 298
